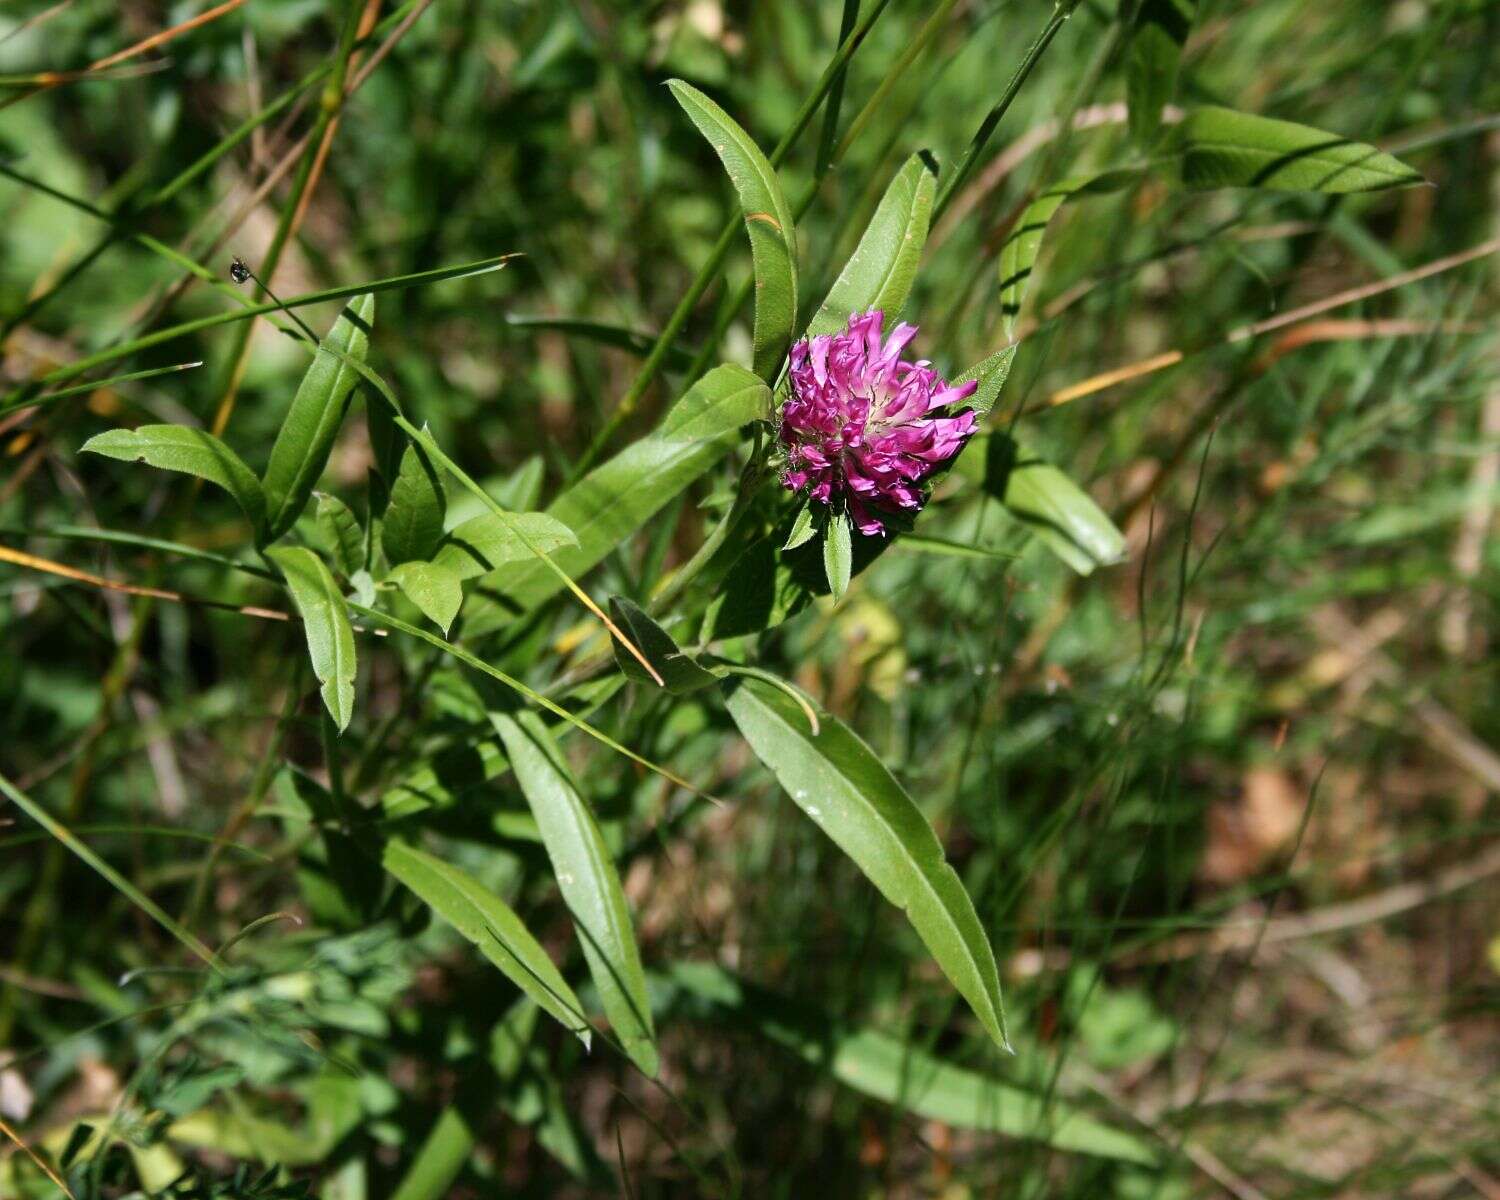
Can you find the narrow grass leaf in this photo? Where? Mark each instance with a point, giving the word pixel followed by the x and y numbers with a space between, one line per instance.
pixel 432 587
pixel 491 925
pixel 1218 147
pixel 880 272
pixel 680 672
pixel 588 881
pixel 839 782
pixel 191 451
pixel 905 1076
pixel 325 619
pixel 412 525
pixel 768 219
pixel 306 436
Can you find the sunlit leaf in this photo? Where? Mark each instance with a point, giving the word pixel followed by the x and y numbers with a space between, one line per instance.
pixel 432 587
pixel 839 782
pixel 1052 506
pixel 325 621
pixel 880 272
pixel 491 925
pixel 588 881
pixel 191 451
pixel 1218 147
pixel 768 219
pixel 306 436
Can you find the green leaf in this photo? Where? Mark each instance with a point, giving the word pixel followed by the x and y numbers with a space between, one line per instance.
pixel 306 437
pixel 191 451
pixel 1152 60
pixel 837 780
pixel 413 523
pixel 918 543
pixel 483 543
pixel 1218 147
pixel 341 530
pixel 487 921
pixel 325 620
pixel 991 374
pixel 432 587
pixel 441 1157
pixel 523 487
pixel 768 219
pixel 1018 254
pixel 679 671
pixel 880 272
pixel 838 555
pixel 908 1078
pixel 619 496
pixel 1052 506
pixel 803 528
pixel 588 881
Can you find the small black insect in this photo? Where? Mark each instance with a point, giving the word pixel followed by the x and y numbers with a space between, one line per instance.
pixel 238 271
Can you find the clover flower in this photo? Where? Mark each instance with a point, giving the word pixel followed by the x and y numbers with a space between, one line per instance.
pixel 857 427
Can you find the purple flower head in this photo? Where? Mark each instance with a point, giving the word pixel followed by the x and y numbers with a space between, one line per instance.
pixel 858 428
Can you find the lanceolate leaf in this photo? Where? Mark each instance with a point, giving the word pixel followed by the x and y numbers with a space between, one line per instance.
pixel 1218 147
pixel 881 270
pixel 587 879
pixel 432 587
pixel 681 673
pixel 340 529
pixel 325 620
pixel 1156 41
pixel 191 451
pixel 1052 506
pixel 619 496
pixel 487 921
pixel 1018 254
pixel 485 542
pixel 837 781
pixel 904 1076
pixel 768 218
pixel 306 437
pixel 413 523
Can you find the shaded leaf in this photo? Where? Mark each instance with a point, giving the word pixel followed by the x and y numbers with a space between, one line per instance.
pixel 325 621
pixel 837 781
pixel 1160 30
pixel 680 672
pixel 432 587
pixel 768 219
pixel 906 1077
pixel 341 530
pixel 306 436
pixel 879 274
pixel 191 451
pixel 1218 147
pixel 413 522
pixel 588 881
pixel 488 922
